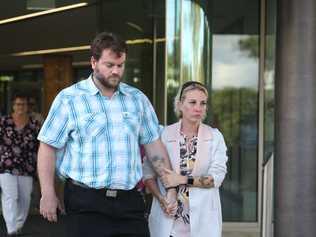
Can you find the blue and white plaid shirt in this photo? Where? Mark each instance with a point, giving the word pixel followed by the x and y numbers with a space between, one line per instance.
pixel 98 137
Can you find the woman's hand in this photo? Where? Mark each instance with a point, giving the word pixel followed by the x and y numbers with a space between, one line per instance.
pixel 172 179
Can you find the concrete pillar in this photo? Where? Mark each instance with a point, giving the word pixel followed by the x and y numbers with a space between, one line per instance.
pixel 295 167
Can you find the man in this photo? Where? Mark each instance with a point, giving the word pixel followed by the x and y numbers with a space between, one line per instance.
pixel 93 132
pixel 18 148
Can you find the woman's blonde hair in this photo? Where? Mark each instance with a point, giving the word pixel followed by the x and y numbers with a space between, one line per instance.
pixel 188 86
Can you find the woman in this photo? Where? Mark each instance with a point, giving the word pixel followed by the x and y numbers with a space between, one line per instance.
pixel 18 148
pixel 198 156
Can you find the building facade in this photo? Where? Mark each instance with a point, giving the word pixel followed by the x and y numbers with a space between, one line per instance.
pixel 230 45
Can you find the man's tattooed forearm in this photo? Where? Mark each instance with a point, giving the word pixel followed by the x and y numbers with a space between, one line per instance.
pixel 158 164
pixel 155 158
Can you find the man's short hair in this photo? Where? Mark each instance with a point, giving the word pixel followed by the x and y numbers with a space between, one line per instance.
pixel 107 40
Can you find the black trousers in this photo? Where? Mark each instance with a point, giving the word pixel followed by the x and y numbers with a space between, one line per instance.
pixel 92 212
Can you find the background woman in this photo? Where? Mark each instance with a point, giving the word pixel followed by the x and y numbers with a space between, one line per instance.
pixel 198 156
pixel 18 149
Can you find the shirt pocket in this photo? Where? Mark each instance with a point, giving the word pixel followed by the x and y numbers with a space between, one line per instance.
pixel 131 123
pixel 92 125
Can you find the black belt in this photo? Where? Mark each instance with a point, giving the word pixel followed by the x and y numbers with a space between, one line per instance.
pixel 108 192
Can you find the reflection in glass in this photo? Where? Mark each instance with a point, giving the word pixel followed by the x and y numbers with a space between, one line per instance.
pixel 188 48
pixel 235 112
pixel 136 26
pixel 173 55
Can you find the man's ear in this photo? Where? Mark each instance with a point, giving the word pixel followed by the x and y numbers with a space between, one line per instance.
pixel 93 62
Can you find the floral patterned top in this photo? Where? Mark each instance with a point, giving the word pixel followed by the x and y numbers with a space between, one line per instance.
pixel 18 147
pixel 188 148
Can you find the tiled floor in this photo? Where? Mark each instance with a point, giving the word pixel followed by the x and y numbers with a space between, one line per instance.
pixel 36 226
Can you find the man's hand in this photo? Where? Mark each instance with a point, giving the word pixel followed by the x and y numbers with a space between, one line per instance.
pixel 49 204
pixel 163 203
pixel 171 198
pixel 172 179
pixel 168 203
pixel 46 172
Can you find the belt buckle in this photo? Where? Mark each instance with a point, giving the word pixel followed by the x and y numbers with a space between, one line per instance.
pixel 111 193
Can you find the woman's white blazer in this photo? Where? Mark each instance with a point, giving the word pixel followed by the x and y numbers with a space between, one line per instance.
pixel 205 205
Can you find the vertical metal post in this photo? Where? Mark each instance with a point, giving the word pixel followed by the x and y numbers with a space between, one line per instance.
pixel 154 98
pixel 262 58
pixel 99 14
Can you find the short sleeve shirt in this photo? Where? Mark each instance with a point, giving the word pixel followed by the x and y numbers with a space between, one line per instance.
pixel 98 137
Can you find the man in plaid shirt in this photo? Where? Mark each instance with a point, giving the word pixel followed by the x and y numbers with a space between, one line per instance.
pixel 92 135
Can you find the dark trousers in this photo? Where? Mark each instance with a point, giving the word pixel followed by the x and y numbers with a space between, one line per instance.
pixel 91 212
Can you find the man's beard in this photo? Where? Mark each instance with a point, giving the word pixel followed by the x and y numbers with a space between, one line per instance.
pixel 105 81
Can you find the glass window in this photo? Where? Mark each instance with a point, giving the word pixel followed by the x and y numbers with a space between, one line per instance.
pixel 136 26
pixel 235 102
pixel 188 48
pixel 173 55
pixel 232 83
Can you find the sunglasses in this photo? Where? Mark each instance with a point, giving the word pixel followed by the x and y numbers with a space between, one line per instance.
pixel 190 83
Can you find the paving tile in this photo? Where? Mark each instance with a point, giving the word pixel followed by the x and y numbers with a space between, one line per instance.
pixel 36 226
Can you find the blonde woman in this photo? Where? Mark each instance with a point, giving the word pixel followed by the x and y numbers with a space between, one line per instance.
pixel 198 156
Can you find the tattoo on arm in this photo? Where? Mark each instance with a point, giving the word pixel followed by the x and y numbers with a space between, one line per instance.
pixel 203 182
pixel 158 164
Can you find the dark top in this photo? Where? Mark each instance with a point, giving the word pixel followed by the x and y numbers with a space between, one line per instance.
pixel 18 147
